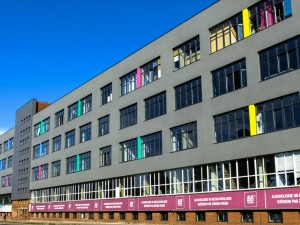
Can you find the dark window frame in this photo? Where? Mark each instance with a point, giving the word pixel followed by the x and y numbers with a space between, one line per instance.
pixel 155 106
pixel 128 116
pixel 106 94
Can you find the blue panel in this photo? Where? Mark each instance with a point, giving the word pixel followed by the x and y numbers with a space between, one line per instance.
pixel 287 8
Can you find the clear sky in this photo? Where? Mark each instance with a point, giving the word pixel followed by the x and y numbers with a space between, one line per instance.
pixel 50 47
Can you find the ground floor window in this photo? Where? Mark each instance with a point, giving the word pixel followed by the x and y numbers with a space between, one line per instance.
pixel 164 216
pixel 148 215
pixel 74 215
pixel 222 216
pixel 122 215
pixel 67 215
pixel 181 216
pixel 111 215
pixel 82 216
pixel 91 216
pixel 200 216
pixel 247 217
pixel 275 217
pixel 100 215
pixel 135 216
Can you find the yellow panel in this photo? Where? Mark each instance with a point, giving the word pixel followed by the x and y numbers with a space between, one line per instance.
pixel 246 23
pixel 252 120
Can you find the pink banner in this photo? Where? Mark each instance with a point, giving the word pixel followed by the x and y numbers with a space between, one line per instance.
pixel 6 181
pixel 287 198
pixel 138 77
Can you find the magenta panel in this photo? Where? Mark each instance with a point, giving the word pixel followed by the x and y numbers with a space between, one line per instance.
pixel 139 77
pixel 287 198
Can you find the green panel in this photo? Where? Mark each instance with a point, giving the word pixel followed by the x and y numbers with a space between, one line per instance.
pixel 139 148
pixel 42 127
pixel 78 163
pixel 79 108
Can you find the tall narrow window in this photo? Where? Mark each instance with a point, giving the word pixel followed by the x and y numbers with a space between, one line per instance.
pixel 229 78
pixel 106 92
pixel 226 33
pixel 73 111
pixel 59 118
pixel 86 104
pixel 105 156
pixel 56 143
pixel 189 93
pixel 184 137
pixel 56 168
pixel 128 116
pixel 128 82
pixel 155 106
pixel 70 138
pixel 104 125
pixel 85 132
pixel 10 162
pixel 150 72
pixel 128 150
pixel 151 145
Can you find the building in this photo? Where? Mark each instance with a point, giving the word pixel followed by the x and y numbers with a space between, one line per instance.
pixel 202 124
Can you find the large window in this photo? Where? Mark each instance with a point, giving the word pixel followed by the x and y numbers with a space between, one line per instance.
pixel 275 217
pixel 155 106
pixel 267 13
pixel 41 150
pixel 59 118
pixel 280 59
pixel 79 163
pixel 70 138
pixel 150 72
pixel 128 150
pixel 56 168
pixel 222 216
pixel 247 217
pixel 80 108
pixel 106 94
pixel 6 181
pixel 42 127
pixel 104 125
pixel 184 137
pixel 187 53
pixel 85 132
pixel 128 82
pixel 128 116
pixel 189 93
pixel 56 143
pixel 278 114
pixel 229 78
pixel 105 156
pixel 232 125
pixel 40 172
pixel 226 33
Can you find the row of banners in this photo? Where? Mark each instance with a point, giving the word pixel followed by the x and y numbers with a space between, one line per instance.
pixel 287 198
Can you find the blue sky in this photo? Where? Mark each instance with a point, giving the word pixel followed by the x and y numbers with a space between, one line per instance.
pixel 50 47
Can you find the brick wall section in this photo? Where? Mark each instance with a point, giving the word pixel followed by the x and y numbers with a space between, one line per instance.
pixel 234 218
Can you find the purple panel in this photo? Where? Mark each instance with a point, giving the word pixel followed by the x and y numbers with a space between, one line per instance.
pixel 138 77
pixel 123 204
pixel 164 203
pixel 283 198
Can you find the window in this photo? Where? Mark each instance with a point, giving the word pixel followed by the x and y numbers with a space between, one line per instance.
pixel 85 133
pixel 184 137
pixel 111 215
pixel 135 215
pixel 155 106
pixel 105 156
pixel 129 150
pixel 150 72
pixel 100 215
pixel 222 216
pixel 57 143
pixel 148 215
pixel 200 216
pixel 80 108
pixel 189 93
pixel 70 138
pixel 128 116
pixel 104 125
pixel 128 82
pixel 229 78
pixel 10 162
pixel 44 171
pixel 40 172
pixel 0 148
pixel 91 216
pixel 56 168
pixel 181 216
pixel 278 114
pixel 151 145
pixel 187 53
pixel 59 118
pixel 275 217
pixel 280 59
pixel 247 217
pixel 106 94
pixel 267 13
pixel 122 215
pixel 73 111
pixel 164 216
pixel 226 33
pixel 42 127
pixel 232 125
pixel 41 150
pixel 79 163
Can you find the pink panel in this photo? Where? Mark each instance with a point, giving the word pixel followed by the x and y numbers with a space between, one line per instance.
pixel 40 172
pixel 6 181
pixel 139 77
